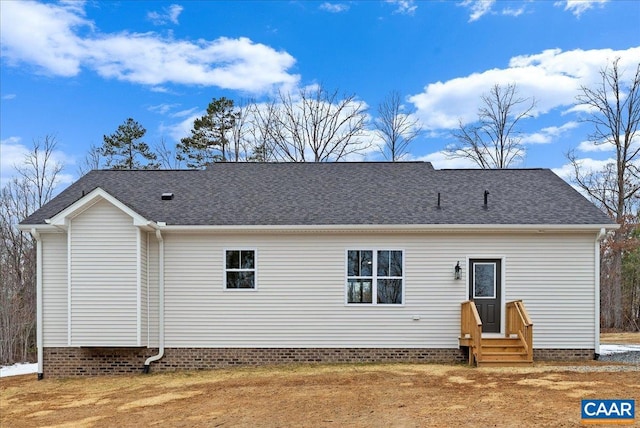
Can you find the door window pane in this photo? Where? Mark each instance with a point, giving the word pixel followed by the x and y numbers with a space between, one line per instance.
pixel 484 280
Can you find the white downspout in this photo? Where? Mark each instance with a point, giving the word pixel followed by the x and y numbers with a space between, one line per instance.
pixel 599 238
pixel 39 332
pixel 160 353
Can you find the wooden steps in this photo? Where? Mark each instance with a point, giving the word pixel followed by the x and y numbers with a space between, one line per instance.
pixel 505 351
pixel 516 349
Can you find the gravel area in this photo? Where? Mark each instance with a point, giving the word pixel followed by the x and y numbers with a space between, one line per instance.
pixel 615 362
pixel 598 368
pixel 622 357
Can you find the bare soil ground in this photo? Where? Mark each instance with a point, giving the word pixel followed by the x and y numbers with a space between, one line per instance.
pixel 380 395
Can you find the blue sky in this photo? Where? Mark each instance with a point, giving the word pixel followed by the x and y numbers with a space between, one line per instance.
pixel 77 69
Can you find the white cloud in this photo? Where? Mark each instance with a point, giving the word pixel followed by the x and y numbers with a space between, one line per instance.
pixel 74 5
pixel 552 77
pixel 478 8
pixel 13 154
pixel 513 12
pixel 578 7
pixel 162 108
pixel 607 146
pixel 187 112
pixel 567 171
pixel 404 7
pixel 548 135
pixel 590 146
pixel 168 14
pixel 49 37
pixel 440 160
pixel 160 90
pixel 334 7
pixel 43 35
pixel 9 97
pixel 182 129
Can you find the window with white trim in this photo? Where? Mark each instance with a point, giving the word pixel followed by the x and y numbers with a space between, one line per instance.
pixel 375 277
pixel 240 269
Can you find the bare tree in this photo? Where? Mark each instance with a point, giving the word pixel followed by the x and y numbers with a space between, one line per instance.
pixel 263 118
pixel 40 171
pixel 395 127
pixel 494 141
pixel 317 126
pixel 17 268
pixel 92 160
pixel 614 113
pixel 33 187
pixel 240 131
pixel 167 157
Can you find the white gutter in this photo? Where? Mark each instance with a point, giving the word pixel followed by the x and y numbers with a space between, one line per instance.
pixel 40 226
pixel 599 238
pixel 160 353
pixel 539 228
pixel 39 332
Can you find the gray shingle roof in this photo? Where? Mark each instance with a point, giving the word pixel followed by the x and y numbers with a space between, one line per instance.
pixel 337 194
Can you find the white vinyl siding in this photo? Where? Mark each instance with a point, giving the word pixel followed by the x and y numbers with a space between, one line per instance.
pixel 143 287
pixel 302 277
pixel 54 289
pixel 104 278
pixel 557 286
pixel 152 290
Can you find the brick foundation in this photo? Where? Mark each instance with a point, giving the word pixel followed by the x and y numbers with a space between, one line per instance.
pixel 563 354
pixel 63 362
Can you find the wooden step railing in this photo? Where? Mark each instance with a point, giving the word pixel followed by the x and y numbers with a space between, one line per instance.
pixel 519 323
pixel 471 329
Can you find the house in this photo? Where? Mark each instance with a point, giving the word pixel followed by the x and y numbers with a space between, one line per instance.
pixel 252 263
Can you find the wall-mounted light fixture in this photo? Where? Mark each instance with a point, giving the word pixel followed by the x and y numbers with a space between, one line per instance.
pixel 457 271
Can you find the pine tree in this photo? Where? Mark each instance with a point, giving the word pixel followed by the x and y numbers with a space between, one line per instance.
pixel 209 140
pixel 123 150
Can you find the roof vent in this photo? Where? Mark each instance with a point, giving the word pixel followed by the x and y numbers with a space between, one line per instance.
pixel 167 196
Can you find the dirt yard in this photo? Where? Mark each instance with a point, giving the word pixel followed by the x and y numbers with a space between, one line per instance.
pixel 380 395
pixel 403 395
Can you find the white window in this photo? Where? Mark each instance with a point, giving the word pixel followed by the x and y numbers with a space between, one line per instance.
pixel 240 269
pixel 375 277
